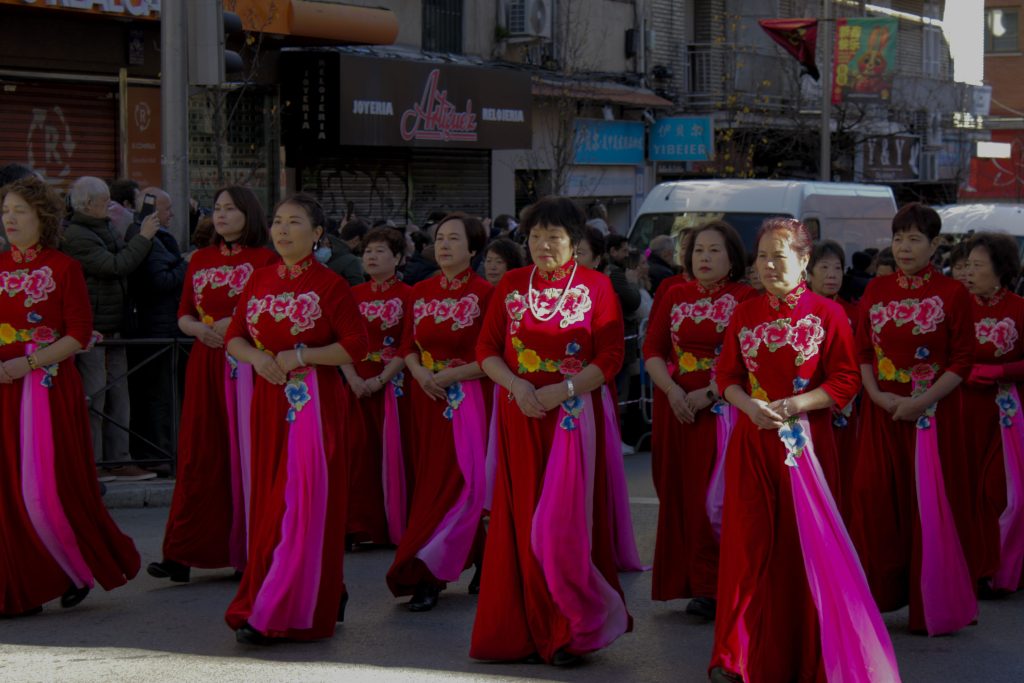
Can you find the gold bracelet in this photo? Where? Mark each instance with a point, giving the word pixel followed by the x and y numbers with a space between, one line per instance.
pixel 33 364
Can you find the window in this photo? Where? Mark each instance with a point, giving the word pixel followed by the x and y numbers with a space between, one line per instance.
pixel 442 26
pixel 1002 30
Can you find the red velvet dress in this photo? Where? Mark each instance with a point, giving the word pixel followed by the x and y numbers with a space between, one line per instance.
pixel 910 327
pixel 686 332
pixel 384 307
pixel 519 612
pixel 202 516
pixel 446 321
pixel 660 410
pixel 767 625
pixel 281 308
pixel 846 422
pixel 998 326
pixel 43 297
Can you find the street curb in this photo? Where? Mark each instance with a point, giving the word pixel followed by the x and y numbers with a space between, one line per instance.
pixel 139 494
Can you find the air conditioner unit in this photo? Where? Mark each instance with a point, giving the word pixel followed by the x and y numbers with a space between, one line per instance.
pixel 528 18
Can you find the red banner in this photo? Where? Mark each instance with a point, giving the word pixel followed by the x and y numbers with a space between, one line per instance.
pixel 799 37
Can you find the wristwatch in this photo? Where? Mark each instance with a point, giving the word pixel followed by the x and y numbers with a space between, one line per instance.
pixel 570 387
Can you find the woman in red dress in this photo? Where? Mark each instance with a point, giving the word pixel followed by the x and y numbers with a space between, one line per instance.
pixel 450 405
pixel 551 340
pixel 207 522
pixel 992 416
pixel 377 482
pixel 793 602
pixel 56 537
pixel 915 345
pixel 825 277
pixel 683 341
pixel 295 323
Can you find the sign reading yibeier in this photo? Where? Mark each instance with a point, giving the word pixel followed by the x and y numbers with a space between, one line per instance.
pixel 682 138
pixel 396 103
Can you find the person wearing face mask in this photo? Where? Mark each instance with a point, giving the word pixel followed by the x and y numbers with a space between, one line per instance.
pixel 207 520
pixel 450 404
pixel 914 518
pixel 680 353
pixel 335 252
pixel 295 324
pixel 825 276
pixel 793 601
pixel 378 483
pixel 995 434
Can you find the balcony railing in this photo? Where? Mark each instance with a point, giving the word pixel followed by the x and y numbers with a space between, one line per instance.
pixel 726 76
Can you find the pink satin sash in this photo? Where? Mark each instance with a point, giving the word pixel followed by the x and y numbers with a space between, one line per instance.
pixel 1011 521
pixel 39 480
pixel 946 588
pixel 854 642
pixel 715 501
pixel 393 472
pixel 448 548
pixel 491 461
pixel 627 559
pixel 238 399
pixel 561 536
pixel 287 599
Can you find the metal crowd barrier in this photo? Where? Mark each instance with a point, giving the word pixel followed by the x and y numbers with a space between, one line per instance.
pixel 645 399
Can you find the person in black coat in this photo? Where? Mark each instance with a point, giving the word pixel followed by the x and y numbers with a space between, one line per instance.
pixel 659 263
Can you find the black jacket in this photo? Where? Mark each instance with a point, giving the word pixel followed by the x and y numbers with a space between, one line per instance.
pixel 659 269
pixel 156 287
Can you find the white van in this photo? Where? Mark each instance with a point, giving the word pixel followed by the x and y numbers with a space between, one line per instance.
pixel 856 216
pixel 960 220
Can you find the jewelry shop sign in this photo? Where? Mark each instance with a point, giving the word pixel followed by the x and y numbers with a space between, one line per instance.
pixel 339 99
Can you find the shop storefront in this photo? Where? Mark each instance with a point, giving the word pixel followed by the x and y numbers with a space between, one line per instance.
pixel 395 138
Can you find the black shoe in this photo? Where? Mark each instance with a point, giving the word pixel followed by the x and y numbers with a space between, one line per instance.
pixel 424 599
pixel 702 607
pixel 73 596
pixel 720 675
pixel 237 576
pixel 563 658
pixel 474 583
pixel 169 569
pixel 534 658
pixel 341 607
pixel 247 635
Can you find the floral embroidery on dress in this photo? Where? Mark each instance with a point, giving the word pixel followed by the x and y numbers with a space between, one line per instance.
pixel 455 396
pixel 691 363
pixel 914 281
pixel 841 416
pixel 574 308
pixel 49 372
pixel 43 336
pixel 805 337
pixel 791 299
pixel 713 288
pixel 1008 406
pixel 756 390
pixel 28 255
pixel 233 277
pixel 926 314
pixel 457 281
pixel 531 361
pixel 559 273
pixel 233 364
pixel 385 355
pixel 286 272
pixel 991 300
pixel 36 284
pixel 573 408
pixel 462 312
pixel 428 361
pixel 297 393
pixel 920 372
pixel 1002 334
pixel 384 285
pixel 303 310
pixel 230 249
pixel 388 311
pixel 718 311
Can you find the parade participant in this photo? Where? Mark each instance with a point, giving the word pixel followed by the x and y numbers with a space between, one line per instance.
pixel 911 493
pixel 995 433
pixel 375 385
pixel 553 337
pixel 450 405
pixel 207 522
pixel 825 277
pixel 56 537
pixel 295 323
pixel 681 349
pixel 793 602
pixel 501 256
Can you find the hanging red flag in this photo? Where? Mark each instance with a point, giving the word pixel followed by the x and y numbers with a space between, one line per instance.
pixel 799 37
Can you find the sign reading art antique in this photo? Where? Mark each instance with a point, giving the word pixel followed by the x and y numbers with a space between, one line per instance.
pixel 401 103
pixel 865 57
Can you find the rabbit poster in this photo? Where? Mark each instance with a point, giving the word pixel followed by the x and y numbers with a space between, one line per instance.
pixel 865 55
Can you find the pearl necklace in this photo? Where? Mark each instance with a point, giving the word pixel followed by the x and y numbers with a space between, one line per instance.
pixel 532 295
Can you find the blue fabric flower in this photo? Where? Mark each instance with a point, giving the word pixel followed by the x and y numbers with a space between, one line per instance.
pixel 1006 403
pixel 573 406
pixel 839 420
pixel 794 439
pixel 233 364
pixel 389 341
pixel 34 317
pixel 1006 421
pixel 568 423
pixel 718 408
pixel 455 396
pixel 290 417
pixel 297 393
pixel 799 384
pixel 923 422
pixel 448 413
pixel 718 350
pixel 572 348
pixel 922 353
pixel 47 381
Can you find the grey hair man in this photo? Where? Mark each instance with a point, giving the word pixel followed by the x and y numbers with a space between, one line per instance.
pixel 107 261
pixel 659 263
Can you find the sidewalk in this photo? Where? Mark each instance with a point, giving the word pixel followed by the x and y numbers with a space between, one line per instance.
pixel 139 494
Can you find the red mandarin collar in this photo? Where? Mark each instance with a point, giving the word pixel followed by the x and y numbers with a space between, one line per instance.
pixel 790 300
pixel 713 288
pixel 233 249
pixel 28 255
pixel 384 285
pixel 286 272
pixel 915 281
pixel 559 273
pixel 456 282
pixel 991 300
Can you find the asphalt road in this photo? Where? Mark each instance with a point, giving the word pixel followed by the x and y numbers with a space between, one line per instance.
pixel 151 630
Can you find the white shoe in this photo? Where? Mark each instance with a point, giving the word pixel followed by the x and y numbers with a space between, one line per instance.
pixel 627 449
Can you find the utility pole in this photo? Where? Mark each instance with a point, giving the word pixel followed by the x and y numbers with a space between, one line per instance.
pixel 174 103
pixel 825 161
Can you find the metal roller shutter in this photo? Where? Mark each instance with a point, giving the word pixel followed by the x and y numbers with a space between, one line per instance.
pixel 63 130
pixel 450 180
